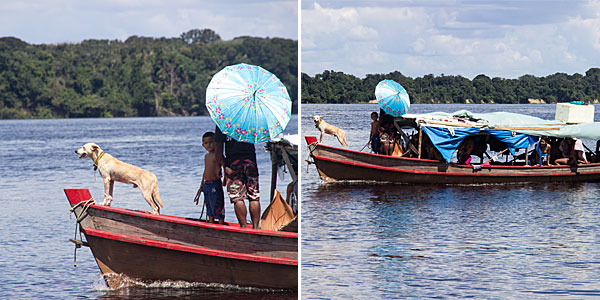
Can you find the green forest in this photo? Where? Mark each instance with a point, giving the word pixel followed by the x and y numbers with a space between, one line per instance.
pixel 141 76
pixel 337 87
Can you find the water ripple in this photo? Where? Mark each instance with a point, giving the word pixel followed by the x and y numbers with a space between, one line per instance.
pixel 523 241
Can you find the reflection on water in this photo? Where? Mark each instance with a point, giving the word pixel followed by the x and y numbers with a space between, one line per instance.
pixel 519 241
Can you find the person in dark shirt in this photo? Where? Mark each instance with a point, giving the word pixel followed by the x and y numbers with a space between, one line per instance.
pixel 241 176
pixel 387 132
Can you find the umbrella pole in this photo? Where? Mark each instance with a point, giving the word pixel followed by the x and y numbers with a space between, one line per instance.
pixel 273 175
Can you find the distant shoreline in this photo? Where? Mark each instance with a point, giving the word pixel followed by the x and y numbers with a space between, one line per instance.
pixel 453 103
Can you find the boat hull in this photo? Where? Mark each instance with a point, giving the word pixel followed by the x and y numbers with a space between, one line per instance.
pixel 147 247
pixel 337 164
pixel 165 262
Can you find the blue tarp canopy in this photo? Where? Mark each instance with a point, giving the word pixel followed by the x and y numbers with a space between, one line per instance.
pixel 448 130
pixel 515 122
pixel 513 140
pixel 447 139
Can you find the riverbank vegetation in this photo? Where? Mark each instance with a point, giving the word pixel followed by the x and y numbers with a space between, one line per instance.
pixel 337 87
pixel 141 76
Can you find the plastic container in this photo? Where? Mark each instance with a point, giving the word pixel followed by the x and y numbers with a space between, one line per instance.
pixel 574 113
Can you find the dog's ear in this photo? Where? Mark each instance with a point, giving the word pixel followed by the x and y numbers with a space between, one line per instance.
pixel 95 147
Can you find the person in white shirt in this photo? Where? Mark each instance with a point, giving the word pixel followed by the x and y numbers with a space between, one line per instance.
pixel 572 152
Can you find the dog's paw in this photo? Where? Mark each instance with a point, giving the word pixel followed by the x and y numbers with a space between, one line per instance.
pixel 107 200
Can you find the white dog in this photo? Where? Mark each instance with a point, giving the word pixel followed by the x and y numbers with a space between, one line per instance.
pixel 324 128
pixel 112 169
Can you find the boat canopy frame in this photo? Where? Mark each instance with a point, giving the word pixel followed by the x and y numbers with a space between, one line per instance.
pixel 284 153
pixel 446 131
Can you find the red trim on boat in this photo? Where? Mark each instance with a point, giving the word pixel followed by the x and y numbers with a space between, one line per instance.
pixel 436 161
pixel 190 249
pixel 76 196
pixel 532 167
pixel 445 173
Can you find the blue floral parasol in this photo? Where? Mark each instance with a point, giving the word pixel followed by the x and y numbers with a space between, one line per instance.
pixel 392 98
pixel 248 103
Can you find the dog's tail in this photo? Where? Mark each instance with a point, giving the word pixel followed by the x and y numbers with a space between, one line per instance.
pixel 156 196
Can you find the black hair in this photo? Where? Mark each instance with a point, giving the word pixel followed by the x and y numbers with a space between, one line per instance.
pixel 374 113
pixel 208 134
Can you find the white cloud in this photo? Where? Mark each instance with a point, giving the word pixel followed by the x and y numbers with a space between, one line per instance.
pixel 355 38
pixel 467 38
pixel 56 21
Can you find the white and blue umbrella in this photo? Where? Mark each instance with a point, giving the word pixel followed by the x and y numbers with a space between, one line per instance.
pixel 392 98
pixel 248 103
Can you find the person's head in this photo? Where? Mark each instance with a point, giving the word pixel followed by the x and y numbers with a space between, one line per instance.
pixel 543 142
pixel 374 116
pixel 208 141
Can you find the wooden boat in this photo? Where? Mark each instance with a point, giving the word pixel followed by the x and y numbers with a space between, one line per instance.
pixel 146 247
pixel 441 135
pixel 150 247
pixel 337 164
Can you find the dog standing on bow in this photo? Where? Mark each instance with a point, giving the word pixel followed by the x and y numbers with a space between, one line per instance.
pixel 324 128
pixel 112 169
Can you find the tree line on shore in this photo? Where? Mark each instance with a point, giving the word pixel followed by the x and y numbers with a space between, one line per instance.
pixel 140 76
pixel 337 87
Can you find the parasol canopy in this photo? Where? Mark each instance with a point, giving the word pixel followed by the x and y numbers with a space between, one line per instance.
pixel 248 103
pixel 392 98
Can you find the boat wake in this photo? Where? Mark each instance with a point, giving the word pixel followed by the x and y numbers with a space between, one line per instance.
pixel 122 281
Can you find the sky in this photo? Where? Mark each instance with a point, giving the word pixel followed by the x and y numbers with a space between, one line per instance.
pixel 72 21
pixel 504 39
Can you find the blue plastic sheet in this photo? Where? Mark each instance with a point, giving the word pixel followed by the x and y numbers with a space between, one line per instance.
pixel 554 128
pixel 512 139
pixel 446 140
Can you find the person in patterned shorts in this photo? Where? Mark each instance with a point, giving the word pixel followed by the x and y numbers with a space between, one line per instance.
pixel 241 176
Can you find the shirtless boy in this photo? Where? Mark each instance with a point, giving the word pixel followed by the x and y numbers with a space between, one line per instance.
pixel 211 182
pixel 374 136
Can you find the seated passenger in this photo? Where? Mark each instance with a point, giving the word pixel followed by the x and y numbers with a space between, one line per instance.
pixel 580 152
pixel 542 151
pixel 429 150
pixel 554 149
pixel 464 151
pixel 572 152
pixel 387 132
pixel 480 146
pixel 596 156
